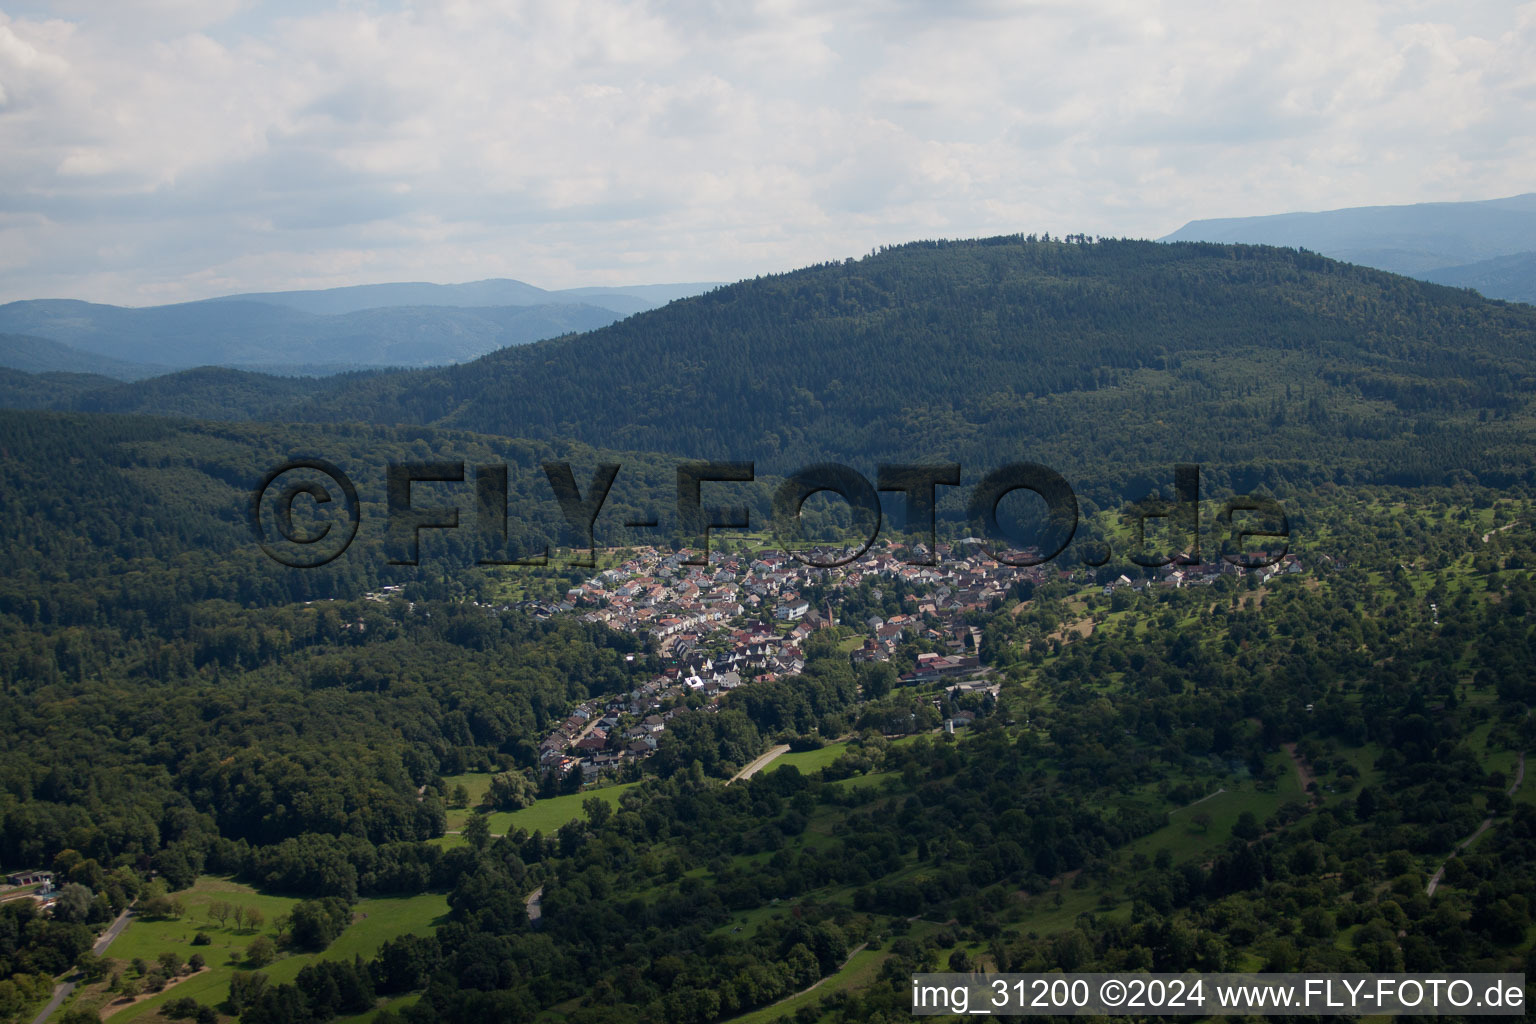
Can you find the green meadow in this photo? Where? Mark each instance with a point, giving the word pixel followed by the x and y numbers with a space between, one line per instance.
pixel 548 815
pixel 374 922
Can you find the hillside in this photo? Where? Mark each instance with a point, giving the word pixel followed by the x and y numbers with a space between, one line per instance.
pixel 1506 277
pixel 1452 243
pixel 1111 359
pixel 1213 772
pixel 39 355
pixel 1232 776
pixel 51 390
pixel 492 292
pixel 242 333
pixel 1108 360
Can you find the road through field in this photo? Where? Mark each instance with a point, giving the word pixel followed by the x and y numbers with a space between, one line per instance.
pixel 761 763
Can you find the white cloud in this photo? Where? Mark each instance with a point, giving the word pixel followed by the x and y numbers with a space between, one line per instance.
pixel 162 149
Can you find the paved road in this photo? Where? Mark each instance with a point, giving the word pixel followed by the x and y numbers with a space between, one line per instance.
pixel 1434 882
pixel 535 905
pixel 759 764
pixel 64 989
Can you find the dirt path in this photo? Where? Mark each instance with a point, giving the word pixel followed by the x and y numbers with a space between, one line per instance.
pixel 1208 796
pixel 1489 535
pixel 1302 772
pixel 122 1004
pixel 761 763
pixel 1439 875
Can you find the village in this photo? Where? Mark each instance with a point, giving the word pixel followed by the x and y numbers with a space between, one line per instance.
pixel 743 618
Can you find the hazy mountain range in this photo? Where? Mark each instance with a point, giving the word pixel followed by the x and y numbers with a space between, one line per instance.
pixel 1263 363
pixel 1488 245
pixel 314 332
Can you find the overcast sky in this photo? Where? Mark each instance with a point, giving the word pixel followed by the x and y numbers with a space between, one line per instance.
pixel 158 150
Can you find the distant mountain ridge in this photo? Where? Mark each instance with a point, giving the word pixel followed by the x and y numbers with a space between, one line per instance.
pixel 241 333
pixel 1489 245
pixel 473 294
pixel 1510 277
pixel 1264 364
pixel 314 332
pixel 39 355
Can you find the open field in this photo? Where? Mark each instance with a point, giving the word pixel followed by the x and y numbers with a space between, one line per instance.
pixel 477 784
pixel 809 761
pixel 375 921
pixel 548 815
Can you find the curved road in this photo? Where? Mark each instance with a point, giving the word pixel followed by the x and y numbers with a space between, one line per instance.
pixel 1434 883
pixel 760 763
pixel 63 989
pixel 535 905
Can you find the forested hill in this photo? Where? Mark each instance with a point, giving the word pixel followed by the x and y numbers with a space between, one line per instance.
pixel 1108 358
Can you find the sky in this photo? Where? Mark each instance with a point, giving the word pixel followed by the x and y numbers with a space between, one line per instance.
pixel 157 151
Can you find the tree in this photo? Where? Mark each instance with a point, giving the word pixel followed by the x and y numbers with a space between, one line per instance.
pixel 316 923
pixel 219 911
pixel 162 906
pixel 597 810
pixel 73 904
pixel 403 964
pixel 184 1008
pixel 458 796
pixel 93 967
pixel 477 831
pixel 245 987
pixel 511 791
pixel 254 918
pixel 238 913
pixel 170 963
pixel 260 952
pixel 1203 819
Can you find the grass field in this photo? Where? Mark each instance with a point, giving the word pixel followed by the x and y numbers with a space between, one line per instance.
pixel 374 922
pixel 548 815
pixel 861 781
pixel 858 972
pixel 396 1004
pixel 808 761
pixel 1185 839
pixel 478 784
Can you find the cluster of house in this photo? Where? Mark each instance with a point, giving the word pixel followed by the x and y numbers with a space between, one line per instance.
pixel 593 739
pixel 742 618
pixel 1179 574
pixel 602 735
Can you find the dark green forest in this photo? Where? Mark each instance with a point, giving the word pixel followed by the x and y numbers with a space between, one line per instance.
pixel 1098 358
pixel 1238 775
